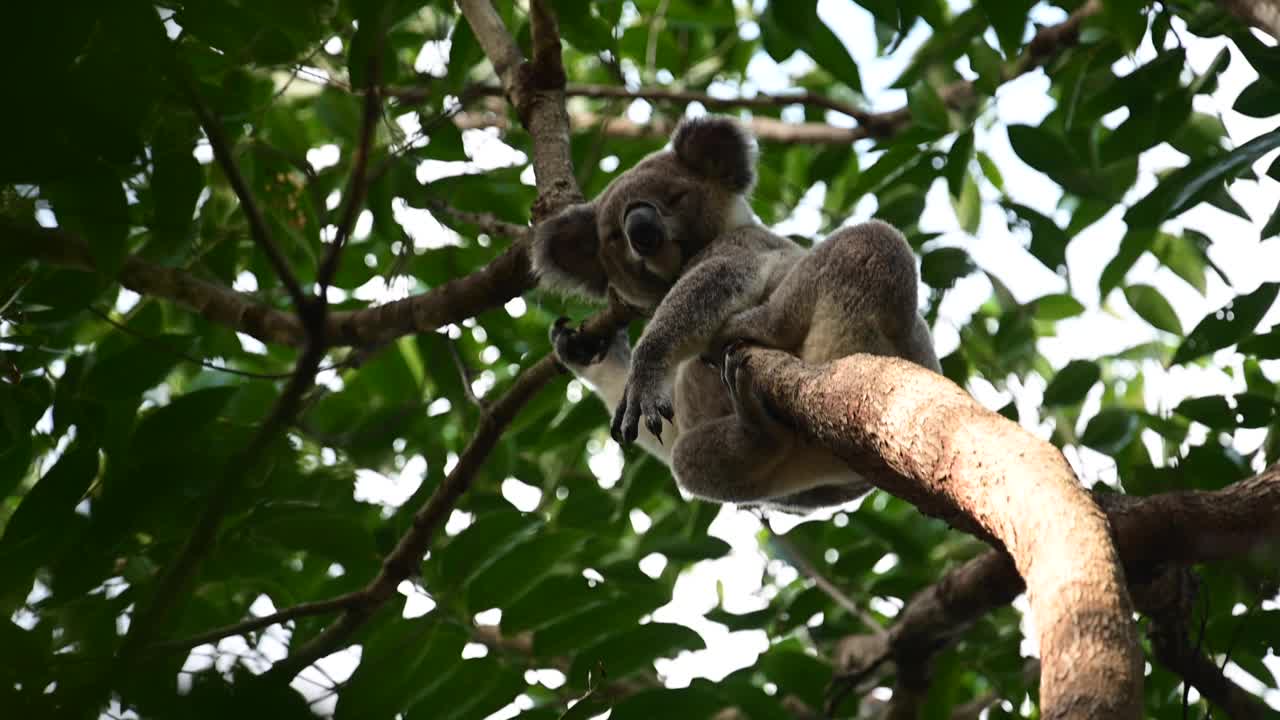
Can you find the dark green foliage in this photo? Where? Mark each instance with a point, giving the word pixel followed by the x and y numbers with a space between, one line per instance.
pixel 119 415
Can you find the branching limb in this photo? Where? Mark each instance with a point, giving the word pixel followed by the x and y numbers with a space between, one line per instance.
pixel 1169 601
pixel 1179 528
pixel 917 435
pixel 404 560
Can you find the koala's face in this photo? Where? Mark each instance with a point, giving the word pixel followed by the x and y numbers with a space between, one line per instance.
pixel 640 233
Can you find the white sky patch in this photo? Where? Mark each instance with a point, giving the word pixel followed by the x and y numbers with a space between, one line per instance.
pixel 606 463
pixel 433 58
pixel 323 157
pixel 523 496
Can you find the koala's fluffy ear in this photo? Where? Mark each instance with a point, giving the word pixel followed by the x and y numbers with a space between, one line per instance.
pixel 566 253
pixel 717 148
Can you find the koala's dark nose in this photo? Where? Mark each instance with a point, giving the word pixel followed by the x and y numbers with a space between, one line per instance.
pixel 644 228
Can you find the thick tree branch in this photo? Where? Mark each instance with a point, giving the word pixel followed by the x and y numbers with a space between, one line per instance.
pixel 536 91
pixel 1180 528
pixel 505 277
pixel 918 436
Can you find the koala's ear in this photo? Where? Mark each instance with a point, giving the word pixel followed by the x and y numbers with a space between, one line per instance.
pixel 717 148
pixel 566 253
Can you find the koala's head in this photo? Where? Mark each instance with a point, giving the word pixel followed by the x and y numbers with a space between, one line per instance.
pixel 639 234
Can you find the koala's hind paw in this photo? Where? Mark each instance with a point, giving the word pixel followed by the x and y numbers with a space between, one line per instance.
pixel 574 347
pixel 746 403
pixel 640 402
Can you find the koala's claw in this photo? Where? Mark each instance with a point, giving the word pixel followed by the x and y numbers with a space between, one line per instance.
pixel 574 347
pixel 730 365
pixel 651 407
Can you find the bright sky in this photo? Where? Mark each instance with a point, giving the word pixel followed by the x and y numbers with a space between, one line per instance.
pixel 745 579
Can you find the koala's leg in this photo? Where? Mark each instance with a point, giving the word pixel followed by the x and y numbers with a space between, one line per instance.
pixel 820 497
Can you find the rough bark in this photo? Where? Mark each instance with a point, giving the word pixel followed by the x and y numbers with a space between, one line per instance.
pixel 1178 528
pixel 920 437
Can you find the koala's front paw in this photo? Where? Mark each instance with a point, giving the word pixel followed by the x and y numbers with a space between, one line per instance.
pixel 643 397
pixel 574 347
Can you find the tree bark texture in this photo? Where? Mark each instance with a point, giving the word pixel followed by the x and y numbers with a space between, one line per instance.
pixel 920 437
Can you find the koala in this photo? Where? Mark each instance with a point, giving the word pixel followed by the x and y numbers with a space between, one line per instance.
pixel 675 237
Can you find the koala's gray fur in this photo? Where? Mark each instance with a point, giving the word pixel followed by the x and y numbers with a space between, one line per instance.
pixel 674 236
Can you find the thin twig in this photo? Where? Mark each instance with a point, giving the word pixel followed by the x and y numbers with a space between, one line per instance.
pixel 245 627
pixel 258 229
pixel 357 185
pixel 796 557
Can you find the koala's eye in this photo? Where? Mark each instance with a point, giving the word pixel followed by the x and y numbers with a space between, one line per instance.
pixel 677 197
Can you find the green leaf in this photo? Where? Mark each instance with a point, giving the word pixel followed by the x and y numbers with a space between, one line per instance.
pixel 799 19
pixel 1111 430
pixel 1009 19
pixel 1072 383
pixel 139 367
pixel 93 205
pixel 1189 185
pixel 49 505
pixel 1228 325
pixel 1126 20
pixel 990 171
pixel 520 568
pixel 968 206
pixel 1263 347
pixel 1218 412
pixel 403 661
pixel 1272 228
pixel 175 186
pixel 690 703
pixel 958 162
pixel 1132 245
pixel 1052 155
pixel 1048 241
pixel 1146 127
pixel 1056 307
pixel 1261 99
pixel 942 267
pixel 633 650
pixel 581 28
pixel 1183 256
pixel 1152 307
pixel 987 63
pixel 926 106
pixel 684 549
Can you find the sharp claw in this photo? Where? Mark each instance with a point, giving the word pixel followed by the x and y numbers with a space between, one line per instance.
pixel 655 426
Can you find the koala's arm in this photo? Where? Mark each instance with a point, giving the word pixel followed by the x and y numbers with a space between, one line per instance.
pixel 698 305
pixel 685 322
